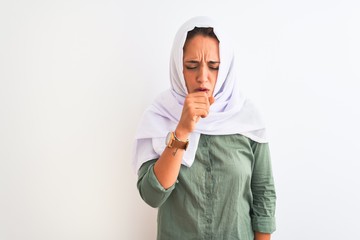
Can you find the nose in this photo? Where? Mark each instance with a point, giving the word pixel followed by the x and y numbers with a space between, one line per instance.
pixel 203 74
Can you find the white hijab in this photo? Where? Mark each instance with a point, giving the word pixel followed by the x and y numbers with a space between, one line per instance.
pixel 231 113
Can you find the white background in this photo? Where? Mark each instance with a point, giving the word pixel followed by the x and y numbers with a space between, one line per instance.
pixel 75 77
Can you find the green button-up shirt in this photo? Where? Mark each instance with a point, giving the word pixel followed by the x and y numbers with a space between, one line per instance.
pixel 228 192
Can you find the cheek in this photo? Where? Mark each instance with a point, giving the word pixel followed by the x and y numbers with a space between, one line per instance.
pixel 214 78
pixel 189 77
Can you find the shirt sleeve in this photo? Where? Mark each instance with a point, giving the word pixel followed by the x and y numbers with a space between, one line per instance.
pixel 151 191
pixel 263 190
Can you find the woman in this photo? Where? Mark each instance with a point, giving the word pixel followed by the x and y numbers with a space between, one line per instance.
pixel 201 153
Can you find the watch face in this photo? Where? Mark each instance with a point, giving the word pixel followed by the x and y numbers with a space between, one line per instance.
pixel 168 138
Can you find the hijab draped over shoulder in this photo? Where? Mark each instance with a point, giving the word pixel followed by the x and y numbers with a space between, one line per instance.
pixel 231 113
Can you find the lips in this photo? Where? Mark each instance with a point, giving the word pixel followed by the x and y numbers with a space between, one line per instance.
pixel 201 90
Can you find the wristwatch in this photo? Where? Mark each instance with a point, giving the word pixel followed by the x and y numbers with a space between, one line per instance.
pixel 173 142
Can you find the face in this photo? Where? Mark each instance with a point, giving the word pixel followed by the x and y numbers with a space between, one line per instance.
pixel 201 63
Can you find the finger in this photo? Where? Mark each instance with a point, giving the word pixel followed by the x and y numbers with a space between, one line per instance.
pixel 211 100
pixel 201 112
pixel 197 103
pixel 203 99
pixel 198 94
pixel 196 99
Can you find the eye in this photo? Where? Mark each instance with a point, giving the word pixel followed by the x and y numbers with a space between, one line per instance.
pixel 214 68
pixel 214 65
pixel 190 67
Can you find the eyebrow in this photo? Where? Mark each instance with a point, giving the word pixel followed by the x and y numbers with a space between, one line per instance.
pixel 194 61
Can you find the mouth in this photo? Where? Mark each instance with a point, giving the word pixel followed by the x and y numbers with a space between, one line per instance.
pixel 202 90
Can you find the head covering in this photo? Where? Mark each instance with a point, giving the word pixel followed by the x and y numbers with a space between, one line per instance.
pixel 231 113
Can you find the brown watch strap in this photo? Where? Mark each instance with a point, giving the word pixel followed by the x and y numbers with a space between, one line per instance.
pixel 174 142
pixel 180 145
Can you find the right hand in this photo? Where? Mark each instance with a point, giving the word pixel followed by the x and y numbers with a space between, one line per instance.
pixel 196 106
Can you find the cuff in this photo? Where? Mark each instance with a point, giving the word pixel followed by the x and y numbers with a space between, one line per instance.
pixel 154 182
pixel 263 224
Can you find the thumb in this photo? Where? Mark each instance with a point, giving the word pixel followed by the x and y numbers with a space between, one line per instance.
pixel 211 100
pixel 196 119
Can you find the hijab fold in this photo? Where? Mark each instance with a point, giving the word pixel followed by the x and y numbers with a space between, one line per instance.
pixel 231 113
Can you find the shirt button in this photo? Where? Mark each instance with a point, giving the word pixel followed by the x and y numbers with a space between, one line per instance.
pixel 208 169
pixel 209 221
pixel 208 195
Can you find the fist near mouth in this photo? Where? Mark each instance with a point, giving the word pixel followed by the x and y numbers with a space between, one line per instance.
pixel 196 106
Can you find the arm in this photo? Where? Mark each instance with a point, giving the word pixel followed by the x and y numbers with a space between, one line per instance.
pixel 149 187
pixel 156 178
pixel 263 189
pixel 262 236
pixel 167 168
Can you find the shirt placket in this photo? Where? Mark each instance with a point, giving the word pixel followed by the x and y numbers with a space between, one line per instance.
pixel 209 198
